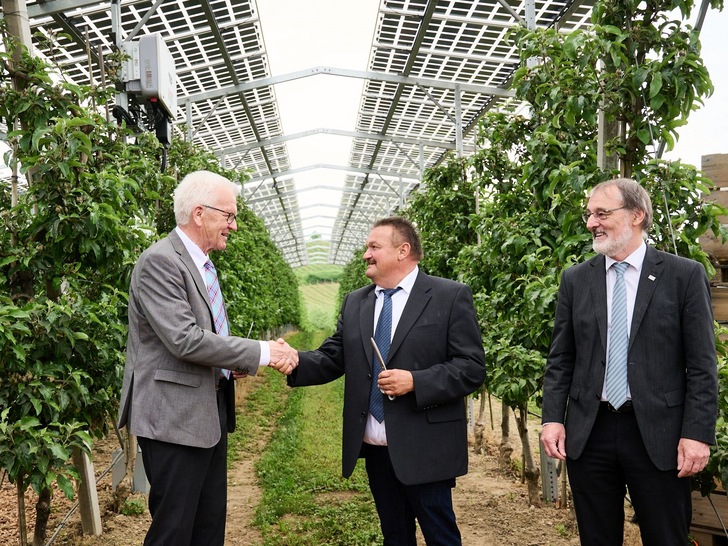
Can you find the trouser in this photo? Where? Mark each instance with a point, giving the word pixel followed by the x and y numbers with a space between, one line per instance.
pixel 188 490
pixel 614 460
pixel 399 505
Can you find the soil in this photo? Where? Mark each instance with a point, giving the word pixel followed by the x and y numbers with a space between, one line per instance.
pixel 491 504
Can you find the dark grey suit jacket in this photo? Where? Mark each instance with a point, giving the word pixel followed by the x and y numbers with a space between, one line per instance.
pixel 168 392
pixel 438 340
pixel 672 368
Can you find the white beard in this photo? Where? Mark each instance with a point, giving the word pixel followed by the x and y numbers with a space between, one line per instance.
pixel 611 246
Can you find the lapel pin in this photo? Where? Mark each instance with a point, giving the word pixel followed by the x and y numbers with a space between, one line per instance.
pixel 651 277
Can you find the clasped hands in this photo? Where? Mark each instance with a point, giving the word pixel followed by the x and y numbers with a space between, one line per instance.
pixel 283 357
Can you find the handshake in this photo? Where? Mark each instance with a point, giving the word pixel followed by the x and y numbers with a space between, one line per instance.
pixel 283 357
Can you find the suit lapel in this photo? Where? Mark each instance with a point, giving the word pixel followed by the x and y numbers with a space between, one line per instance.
pixel 649 277
pixel 366 322
pixel 416 304
pixel 598 287
pixel 189 263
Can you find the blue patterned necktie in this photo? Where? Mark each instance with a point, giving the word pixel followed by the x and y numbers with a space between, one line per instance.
pixel 618 342
pixel 383 339
pixel 218 305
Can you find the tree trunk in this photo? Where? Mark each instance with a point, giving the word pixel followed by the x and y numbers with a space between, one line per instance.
pixel 42 513
pixel 505 450
pixel 22 522
pixel 530 472
pixel 505 423
pixel 126 485
pixel 479 428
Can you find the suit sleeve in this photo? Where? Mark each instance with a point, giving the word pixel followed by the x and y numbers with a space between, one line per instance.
pixel 701 396
pixel 166 297
pixel 561 358
pixel 324 364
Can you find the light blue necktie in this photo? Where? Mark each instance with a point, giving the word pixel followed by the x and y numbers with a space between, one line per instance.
pixel 383 339
pixel 618 342
pixel 218 305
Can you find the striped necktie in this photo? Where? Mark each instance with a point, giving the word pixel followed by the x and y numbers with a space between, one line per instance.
pixel 383 339
pixel 218 305
pixel 618 342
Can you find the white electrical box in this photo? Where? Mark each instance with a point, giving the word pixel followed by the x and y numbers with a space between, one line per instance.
pixel 150 71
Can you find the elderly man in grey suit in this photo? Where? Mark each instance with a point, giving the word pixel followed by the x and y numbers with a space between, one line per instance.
pixel 630 390
pixel 178 392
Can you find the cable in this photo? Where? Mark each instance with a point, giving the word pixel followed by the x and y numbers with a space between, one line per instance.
pixel 712 504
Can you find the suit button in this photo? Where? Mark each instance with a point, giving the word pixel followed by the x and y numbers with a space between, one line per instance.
pixel 363 413
pixel 369 376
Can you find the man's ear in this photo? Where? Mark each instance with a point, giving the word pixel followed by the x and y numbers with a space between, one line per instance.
pixel 403 251
pixel 639 216
pixel 197 214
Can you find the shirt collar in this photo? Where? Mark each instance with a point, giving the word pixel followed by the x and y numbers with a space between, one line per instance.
pixel 405 284
pixel 635 259
pixel 194 251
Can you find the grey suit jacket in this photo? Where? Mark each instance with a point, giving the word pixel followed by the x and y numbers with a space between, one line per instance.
pixel 438 340
pixel 168 392
pixel 672 369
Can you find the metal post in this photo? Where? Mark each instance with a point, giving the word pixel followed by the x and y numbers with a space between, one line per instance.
pixel 549 475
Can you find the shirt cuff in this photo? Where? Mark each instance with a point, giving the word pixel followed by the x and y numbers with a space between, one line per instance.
pixel 264 353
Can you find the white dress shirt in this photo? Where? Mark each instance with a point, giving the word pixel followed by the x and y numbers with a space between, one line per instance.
pixel 375 432
pixel 631 281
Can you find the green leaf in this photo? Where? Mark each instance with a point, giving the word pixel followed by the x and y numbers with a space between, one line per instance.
pixel 655 84
pixel 59 452
pixel 66 486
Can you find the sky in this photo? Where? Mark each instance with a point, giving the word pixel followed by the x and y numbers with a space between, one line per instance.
pixel 337 33
pixel 301 35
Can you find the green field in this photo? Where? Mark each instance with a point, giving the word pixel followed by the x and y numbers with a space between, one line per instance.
pixel 311 274
pixel 320 301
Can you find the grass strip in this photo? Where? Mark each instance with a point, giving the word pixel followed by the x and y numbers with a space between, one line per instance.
pixel 305 500
pixel 264 403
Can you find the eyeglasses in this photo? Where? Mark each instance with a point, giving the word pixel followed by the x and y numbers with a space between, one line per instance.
pixel 600 214
pixel 230 215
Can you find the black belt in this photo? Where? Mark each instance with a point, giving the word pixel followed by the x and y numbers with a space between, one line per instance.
pixel 624 408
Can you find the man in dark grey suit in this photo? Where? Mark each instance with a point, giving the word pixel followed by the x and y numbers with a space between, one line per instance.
pixel 177 396
pixel 642 417
pixel 410 424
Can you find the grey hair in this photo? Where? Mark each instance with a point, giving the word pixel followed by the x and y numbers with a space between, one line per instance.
pixel 634 197
pixel 198 188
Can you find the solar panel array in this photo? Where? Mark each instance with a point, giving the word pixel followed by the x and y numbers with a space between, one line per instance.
pixel 435 67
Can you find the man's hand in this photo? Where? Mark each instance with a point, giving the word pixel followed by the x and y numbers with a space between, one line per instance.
pixel 553 440
pixel 282 356
pixel 395 382
pixel 692 456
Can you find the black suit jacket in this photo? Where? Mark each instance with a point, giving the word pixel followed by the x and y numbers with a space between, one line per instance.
pixel 438 340
pixel 672 369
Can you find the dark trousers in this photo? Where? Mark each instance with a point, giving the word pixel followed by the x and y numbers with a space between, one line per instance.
pixel 398 505
pixel 188 490
pixel 614 458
